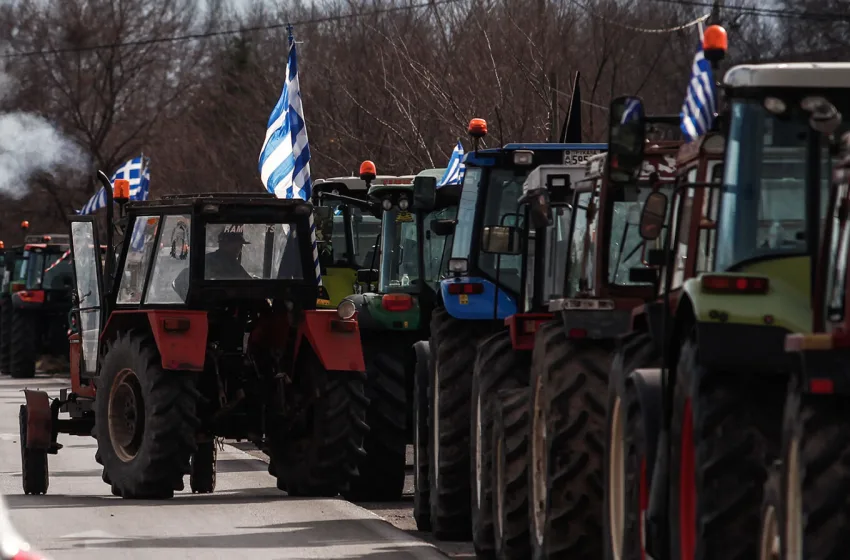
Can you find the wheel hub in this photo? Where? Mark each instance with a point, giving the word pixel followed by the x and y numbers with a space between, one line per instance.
pixel 126 415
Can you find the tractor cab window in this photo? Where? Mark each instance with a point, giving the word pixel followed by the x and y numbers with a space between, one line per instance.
pixel 764 195
pixel 365 230
pixel 501 208
pixel 19 275
pixel 581 250
pixel 466 213
pixel 399 257
pixel 48 270
pixel 557 252
pixel 236 251
pixel 172 258
pixel 437 248
pixel 142 237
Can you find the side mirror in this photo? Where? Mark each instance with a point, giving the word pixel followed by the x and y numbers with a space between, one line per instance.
pixel 367 276
pixel 424 193
pixel 443 227
pixel 541 209
pixel 652 216
pixel 502 240
pixel 626 138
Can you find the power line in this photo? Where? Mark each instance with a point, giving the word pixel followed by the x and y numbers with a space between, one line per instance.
pixel 590 11
pixel 782 13
pixel 224 32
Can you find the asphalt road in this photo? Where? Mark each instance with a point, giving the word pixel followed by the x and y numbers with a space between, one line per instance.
pixel 247 517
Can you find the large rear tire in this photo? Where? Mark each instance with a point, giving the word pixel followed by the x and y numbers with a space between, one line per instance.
pixel 720 436
pixel 320 458
pixel 382 470
pixel 24 340
pixel 626 465
pixel 34 472
pixel 510 474
pixel 5 335
pixel 145 420
pixel 421 449
pixel 497 366
pixel 453 349
pixel 569 391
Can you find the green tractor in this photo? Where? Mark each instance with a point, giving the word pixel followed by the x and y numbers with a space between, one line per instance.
pixel 393 311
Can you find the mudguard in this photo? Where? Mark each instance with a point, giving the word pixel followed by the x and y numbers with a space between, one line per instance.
pixel 335 341
pixel 647 384
pixel 476 306
pixel 180 336
pixel 39 420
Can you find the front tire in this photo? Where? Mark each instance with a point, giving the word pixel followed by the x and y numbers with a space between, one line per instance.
pixel 34 472
pixel 145 420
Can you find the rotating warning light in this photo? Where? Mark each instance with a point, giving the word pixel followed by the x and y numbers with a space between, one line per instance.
pixel 478 128
pixel 367 170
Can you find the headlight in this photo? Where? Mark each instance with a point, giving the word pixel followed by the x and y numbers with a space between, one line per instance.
pixel 346 309
pixel 403 204
pixel 387 204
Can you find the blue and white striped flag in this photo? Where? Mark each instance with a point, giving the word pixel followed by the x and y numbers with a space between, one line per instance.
pixel 285 156
pixel 455 168
pixel 697 114
pixel 137 171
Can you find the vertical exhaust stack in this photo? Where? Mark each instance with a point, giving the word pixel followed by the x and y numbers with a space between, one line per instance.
pixel 571 132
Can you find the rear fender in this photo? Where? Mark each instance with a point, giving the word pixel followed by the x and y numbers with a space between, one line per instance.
pixel 647 385
pixel 39 420
pixel 524 326
pixel 598 324
pixel 335 341
pixel 180 336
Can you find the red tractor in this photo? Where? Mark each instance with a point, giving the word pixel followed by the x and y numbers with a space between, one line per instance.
pixel 206 327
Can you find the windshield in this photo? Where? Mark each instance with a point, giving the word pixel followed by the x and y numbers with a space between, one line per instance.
pixel 501 208
pixel 466 213
pixel 50 271
pixel 399 258
pixel 251 251
pixel 627 246
pixel 763 205
pixel 363 231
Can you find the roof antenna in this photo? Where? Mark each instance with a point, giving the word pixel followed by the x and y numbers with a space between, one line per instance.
pixel 499 123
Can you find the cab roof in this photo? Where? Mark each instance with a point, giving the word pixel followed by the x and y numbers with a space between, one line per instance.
pixel 792 75
pixel 357 184
pixel 196 199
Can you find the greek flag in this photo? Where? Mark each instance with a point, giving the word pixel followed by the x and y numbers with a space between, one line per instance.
pixel 285 156
pixel 137 171
pixel 454 170
pixel 698 109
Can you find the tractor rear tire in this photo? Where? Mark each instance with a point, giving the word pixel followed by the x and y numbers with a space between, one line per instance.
pixel 721 436
pixel 202 476
pixel 321 461
pixel 5 335
pixel 816 432
pixel 510 474
pixel 770 534
pixel 34 472
pixel 569 388
pixel 454 344
pixel 24 340
pixel 421 448
pixel 497 366
pixel 626 442
pixel 145 420
pixel 382 470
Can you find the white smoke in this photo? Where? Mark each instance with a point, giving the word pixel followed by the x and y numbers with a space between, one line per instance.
pixel 30 144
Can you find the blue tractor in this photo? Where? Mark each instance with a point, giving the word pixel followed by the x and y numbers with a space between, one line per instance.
pixel 482 290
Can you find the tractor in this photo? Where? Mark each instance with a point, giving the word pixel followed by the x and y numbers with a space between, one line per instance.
pixel 393 314
pixel 473 304
pixel 218 338
pixel 804 497
pixel 699 445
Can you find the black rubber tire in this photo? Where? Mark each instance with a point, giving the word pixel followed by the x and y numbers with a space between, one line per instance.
pixel 382 470
pixel 771 518
pixel 320 459
pixel 821 427
pixel 167 441
pixel 24 340
pixel 202 475
pixel 35 476
pixel 735 438
pixel 510 474
pixel 569 388
pixel 421 449
pixel 5 335
pixel 453 347
pixel 635 351
pixel 497 366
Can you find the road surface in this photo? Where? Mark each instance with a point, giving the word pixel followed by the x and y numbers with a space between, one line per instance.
pixel 247 517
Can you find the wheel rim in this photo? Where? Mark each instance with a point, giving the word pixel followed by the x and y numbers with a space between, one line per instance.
pixel 794 516
pixel 435 415
pixel 769 541
pixel 687 488
pixel 617 482
pixel 541 464
pixel 479 460
pixel 499 494
pixel 126 415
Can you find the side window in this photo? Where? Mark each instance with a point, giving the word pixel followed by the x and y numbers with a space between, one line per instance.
pixel 837 265
pixel 557 252
pixel 684 205
pixel 143 235
pixel 172 261
pixel 580 242
pixel 436 248
pixel 708 232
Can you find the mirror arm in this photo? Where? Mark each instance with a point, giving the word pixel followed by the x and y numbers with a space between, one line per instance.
pixel 362 204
